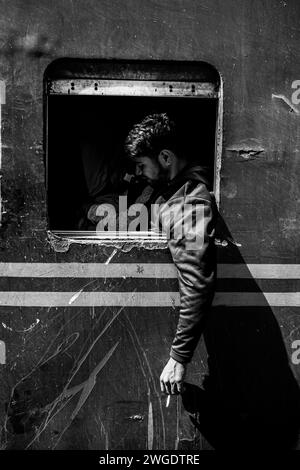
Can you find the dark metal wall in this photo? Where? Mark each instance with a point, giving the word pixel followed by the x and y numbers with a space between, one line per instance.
pixel 53 392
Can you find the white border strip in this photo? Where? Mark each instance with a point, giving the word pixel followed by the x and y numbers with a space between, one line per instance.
pixel 143 270
pixel 79 86
pixel 143 299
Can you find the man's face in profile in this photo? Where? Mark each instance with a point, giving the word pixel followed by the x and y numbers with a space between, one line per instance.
pixel 150 170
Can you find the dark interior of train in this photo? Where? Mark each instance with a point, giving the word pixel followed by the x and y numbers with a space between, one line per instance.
pixel 86 158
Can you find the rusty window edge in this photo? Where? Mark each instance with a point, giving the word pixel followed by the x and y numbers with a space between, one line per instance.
pixel 61 241
pixel 132 88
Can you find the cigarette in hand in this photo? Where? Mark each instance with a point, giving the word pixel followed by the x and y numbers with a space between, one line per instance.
pixel 168 401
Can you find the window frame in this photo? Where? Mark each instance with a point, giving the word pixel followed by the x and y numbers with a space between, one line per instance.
pixel 191 89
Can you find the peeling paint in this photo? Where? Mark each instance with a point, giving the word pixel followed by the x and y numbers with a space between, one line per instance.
pixel 246 150
pixel 249 154
pixel 58 244
pixel 137 417
pixel 61 244
pixel 292 108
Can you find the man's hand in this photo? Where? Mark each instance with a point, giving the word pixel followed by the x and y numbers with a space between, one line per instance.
pixel 172 377
pixel 91 215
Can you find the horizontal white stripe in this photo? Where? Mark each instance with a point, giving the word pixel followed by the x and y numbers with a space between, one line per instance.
pixel 146 270
pixel 259 271
pixel 142 299
pixel 89 299
pixel 258 299
pixel 93 270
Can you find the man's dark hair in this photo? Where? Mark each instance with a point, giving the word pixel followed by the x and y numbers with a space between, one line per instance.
pixel 147 138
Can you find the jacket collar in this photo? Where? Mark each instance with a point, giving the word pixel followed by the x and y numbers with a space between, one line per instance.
pixel 191 172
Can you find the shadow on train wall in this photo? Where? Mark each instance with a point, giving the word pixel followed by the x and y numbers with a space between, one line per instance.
pixel 248 399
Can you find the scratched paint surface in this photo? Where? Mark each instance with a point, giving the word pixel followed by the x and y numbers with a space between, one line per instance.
pixel 98 363
pixel 88 377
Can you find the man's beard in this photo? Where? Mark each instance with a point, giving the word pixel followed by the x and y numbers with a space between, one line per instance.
pixel 162 179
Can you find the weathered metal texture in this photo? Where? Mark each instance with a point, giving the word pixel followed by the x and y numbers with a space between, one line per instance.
pixel 87 377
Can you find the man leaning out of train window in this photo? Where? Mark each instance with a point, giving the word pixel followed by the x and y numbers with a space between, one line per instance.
pixel 185 210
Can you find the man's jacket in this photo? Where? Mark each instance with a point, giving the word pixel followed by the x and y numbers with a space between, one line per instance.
pixel 188 214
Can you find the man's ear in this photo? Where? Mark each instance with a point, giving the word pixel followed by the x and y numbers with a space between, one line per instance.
pixel 165 158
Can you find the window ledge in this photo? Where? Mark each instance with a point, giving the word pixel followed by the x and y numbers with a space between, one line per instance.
pixel 60 240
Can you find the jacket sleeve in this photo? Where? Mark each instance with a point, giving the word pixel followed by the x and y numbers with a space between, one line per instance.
pixel 194 258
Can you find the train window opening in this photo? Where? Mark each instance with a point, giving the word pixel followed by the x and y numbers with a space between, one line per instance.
pixel 91 182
